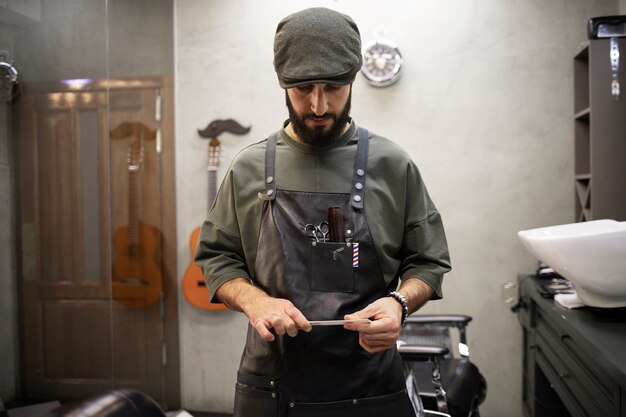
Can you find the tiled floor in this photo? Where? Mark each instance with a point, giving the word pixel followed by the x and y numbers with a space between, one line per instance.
pixel 28 409
pixel 32 410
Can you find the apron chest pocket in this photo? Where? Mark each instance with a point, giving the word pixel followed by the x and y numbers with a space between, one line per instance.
pixel 332 267
pixel 255 396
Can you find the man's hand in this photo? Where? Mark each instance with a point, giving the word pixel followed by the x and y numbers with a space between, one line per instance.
pixel 386 315
pixel 264 312
pixel 382 333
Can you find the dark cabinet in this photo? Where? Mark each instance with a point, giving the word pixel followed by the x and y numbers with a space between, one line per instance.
pixel 574 360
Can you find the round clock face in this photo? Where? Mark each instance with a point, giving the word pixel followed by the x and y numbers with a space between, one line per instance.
pixel 382 63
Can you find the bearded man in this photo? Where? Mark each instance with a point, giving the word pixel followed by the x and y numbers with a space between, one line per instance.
pixel 325 237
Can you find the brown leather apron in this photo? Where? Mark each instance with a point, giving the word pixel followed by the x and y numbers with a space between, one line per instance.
pixel 325 372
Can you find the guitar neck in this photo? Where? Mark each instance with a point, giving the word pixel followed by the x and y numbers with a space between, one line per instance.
pixel 212 185
pixel 133 208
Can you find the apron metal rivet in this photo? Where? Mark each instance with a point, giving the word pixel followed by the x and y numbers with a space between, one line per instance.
pixel 349 232
pixel 358 186
pixel 354 402
pixel 357 198
pixel 292 405
pixel 360 172
pixel 314 243
pixel 269 179
pixel 273 395
pixel 272 383
pixel 270 192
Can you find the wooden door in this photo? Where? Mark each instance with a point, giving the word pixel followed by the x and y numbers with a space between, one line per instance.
pixel 97 297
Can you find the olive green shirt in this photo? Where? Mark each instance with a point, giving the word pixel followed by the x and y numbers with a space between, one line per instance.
pixel 405 225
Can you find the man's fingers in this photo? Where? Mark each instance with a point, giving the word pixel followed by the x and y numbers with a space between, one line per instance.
pixel 298 318
pixel 290 326
pixel 367 313
pixel 382 333
pixel 289 322
pixel 281 316
pixel 263 331
pixel 378 337
pixel 375 344
pixel 373 349
pixel 383 325
pixel 278 324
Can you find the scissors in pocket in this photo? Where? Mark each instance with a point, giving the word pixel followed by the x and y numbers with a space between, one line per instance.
pixel 319 232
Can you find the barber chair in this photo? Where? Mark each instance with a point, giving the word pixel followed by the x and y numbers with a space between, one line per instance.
pixel 118 403
pixel 439 377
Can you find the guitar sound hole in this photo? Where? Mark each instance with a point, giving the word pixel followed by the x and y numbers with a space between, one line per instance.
pixel 135 281
pixel 135 251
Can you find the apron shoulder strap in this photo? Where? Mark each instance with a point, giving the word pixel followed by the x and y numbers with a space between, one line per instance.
pixel 270 167
pixel 360 169
pixel 358 178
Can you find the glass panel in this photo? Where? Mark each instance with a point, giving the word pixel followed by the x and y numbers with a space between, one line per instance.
pixel 60 197
pixel 88 124
pixel 86 158
pixel 140 38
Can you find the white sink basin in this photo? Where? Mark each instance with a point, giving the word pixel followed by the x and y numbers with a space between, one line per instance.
pixel 590 254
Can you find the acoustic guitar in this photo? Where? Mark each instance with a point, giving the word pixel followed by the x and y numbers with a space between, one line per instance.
pixel 136 271
pixel 194 286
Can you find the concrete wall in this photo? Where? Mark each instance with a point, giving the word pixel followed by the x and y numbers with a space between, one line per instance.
pixel 622 6
pixel 20 12
pixel 484 107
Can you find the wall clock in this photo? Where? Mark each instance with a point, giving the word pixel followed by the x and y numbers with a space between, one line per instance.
pixel 382 63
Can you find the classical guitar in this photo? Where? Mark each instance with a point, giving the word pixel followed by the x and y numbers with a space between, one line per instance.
pixel 194 286
pixel 136 272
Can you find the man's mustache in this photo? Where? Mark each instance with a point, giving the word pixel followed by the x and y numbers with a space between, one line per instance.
pixel 324 116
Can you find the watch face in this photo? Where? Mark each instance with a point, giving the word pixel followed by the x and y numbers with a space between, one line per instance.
pixel 382 63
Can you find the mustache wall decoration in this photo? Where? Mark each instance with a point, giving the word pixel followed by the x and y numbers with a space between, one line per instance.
pixel 216 127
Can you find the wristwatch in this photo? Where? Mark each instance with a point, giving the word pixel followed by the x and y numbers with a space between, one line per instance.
pixel 399 297
pixel 382 63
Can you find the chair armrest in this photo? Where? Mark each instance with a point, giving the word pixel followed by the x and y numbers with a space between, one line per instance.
pixel 414 353
pixel 435 413
pixel 440 319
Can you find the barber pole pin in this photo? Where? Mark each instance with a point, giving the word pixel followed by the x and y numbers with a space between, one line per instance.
pixel 355 255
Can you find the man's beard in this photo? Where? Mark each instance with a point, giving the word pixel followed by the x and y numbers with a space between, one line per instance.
pixel 317 136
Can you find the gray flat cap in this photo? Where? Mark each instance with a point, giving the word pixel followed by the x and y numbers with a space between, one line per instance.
pixel 317 45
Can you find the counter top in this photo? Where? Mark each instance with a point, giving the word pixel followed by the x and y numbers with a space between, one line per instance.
pixel 600 332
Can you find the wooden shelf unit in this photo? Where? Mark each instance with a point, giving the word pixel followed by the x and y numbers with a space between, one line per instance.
pixel 599 134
